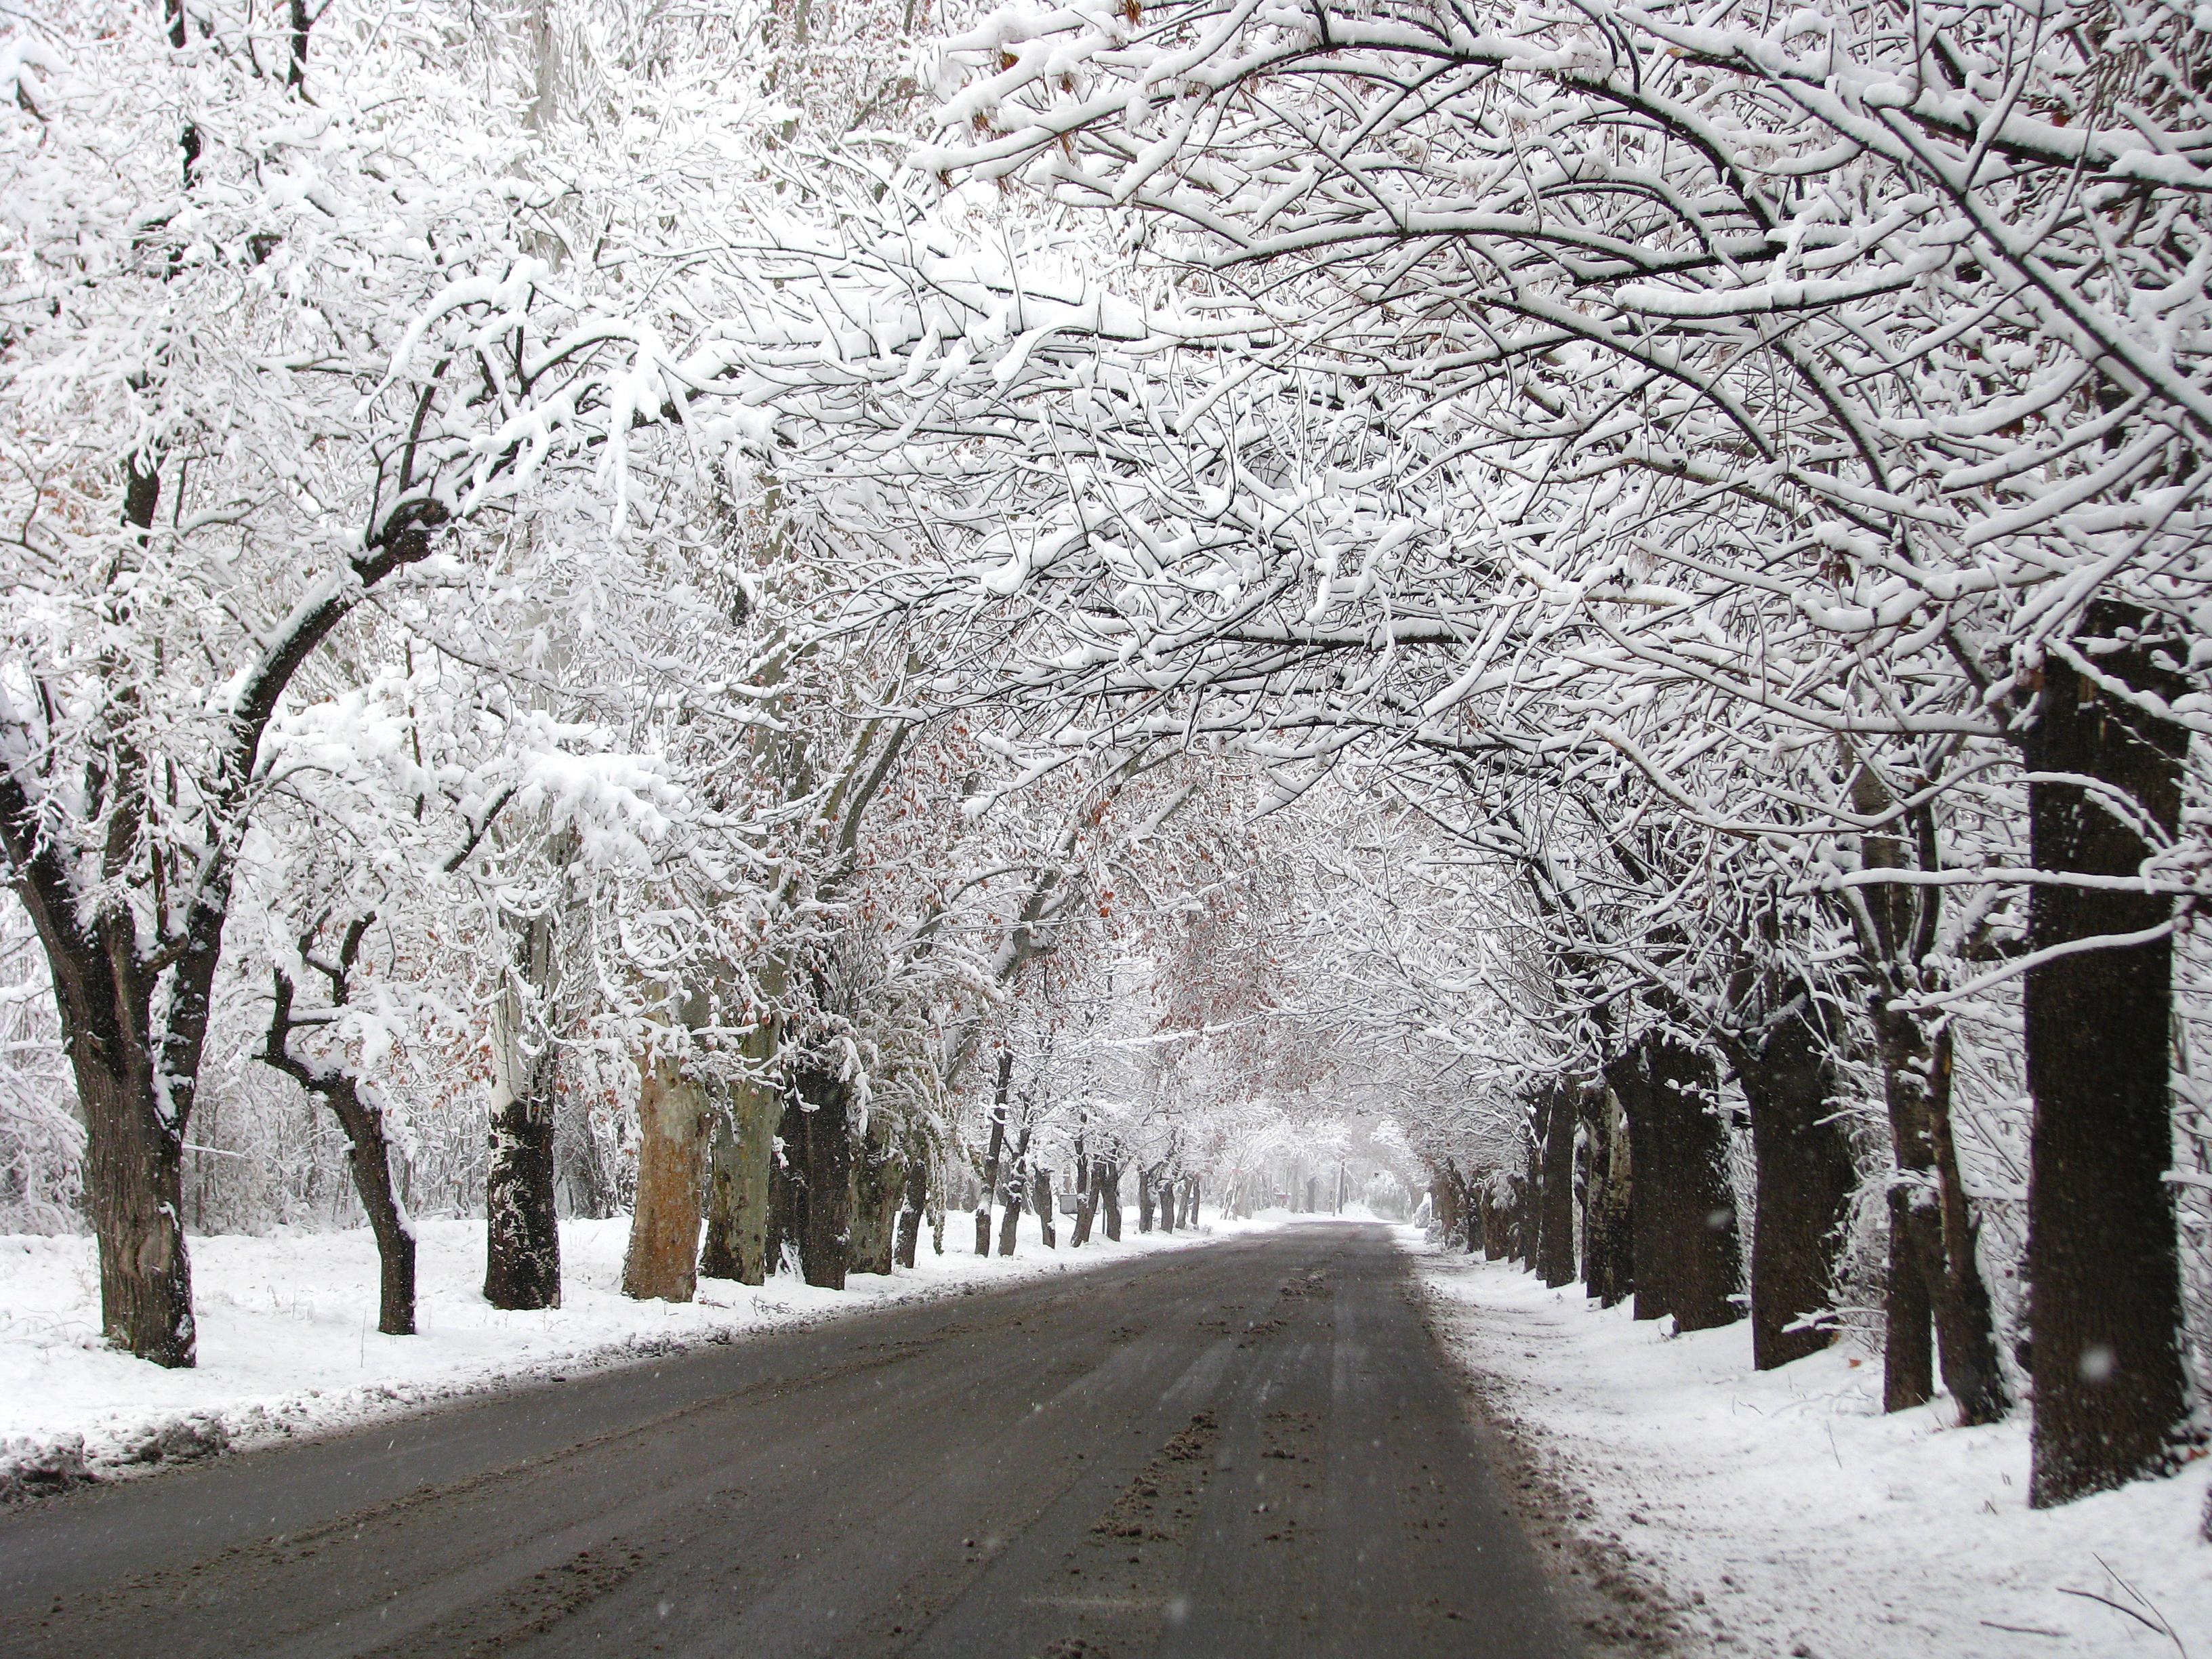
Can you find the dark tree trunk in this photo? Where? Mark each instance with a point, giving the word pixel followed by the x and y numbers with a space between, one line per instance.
pixel 368 1153
pixel 1934 1269
pixel 1554 1199
pixel 740 1162
pixel 817 1143
pixel 522 1253
pixel 1443 1203
pixel 915 1203
pixel 1109 1198
pixel 1681 1211
pixel 1041 1187
pixel 1086 1200
pixel 522 1232
pixel 1165 1197
pixel 1805 1175
pixel 878 1175
pixel 1010 1218
pixel 1608 1251
pixel 134 1193
pixel 1144 1200
pixel 998 1145
pixel 2103 1279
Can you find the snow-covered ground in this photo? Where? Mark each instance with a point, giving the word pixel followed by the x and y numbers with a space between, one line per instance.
pixel 1788 1516
pixel 288 1344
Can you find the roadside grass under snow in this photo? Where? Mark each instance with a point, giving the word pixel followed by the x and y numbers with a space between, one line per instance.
pixel 288 1344
pixel 1793 1517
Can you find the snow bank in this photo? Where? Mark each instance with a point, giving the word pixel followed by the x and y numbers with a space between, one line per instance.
pixel 288 1344
pixel 1792 1517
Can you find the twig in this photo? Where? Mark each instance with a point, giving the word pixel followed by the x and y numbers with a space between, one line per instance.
pixel 2025 1630
pixel 2158 1624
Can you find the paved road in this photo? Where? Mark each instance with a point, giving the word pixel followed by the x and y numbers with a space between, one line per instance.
pixel 1249 1448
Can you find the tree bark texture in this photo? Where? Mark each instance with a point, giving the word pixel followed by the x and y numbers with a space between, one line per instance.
pixel 818 1167
pixel 914 1204
pixel 740 1162
pixel 1109 1197
pixel 1554 1190
pixel 1086 1200
pixel 1041 1201
pixel 1805 1175
pixel 998 1093
pixel 1145 1199
pixel 522 1234
pixel 1011 1195
pixel 1608 1254
pixel 1681 1211
pixel 1934 1271
pixel 662 1262
pixel 368 1154
pixel 2104 1278
pixel 878 1176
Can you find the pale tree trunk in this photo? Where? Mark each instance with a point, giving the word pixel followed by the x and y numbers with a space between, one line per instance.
pixel 2104 1277
pixel 662 1261
pixel 741 1154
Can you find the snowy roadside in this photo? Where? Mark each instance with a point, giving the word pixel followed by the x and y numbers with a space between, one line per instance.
pixel 1787 1516
pixel 288 1346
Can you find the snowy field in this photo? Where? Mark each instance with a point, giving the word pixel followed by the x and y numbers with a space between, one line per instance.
pixel 289 1344
pixel 1791 1518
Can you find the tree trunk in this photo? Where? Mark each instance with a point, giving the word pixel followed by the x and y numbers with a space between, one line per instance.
pixel 522 1254
pixel 1109 1196
pixel 662 1262
pixel 1805 1175
pixel 1010 1199
pixel 998 1145
pixel 1681 1211
pixel 1554 1197
pixel 1163 1196
pixel 1086 1200
pixel 134 1192
pixel 522 1234
pixel 2103 1279
pixel 1444 1200
pixel 817 1143
pixel 1608 1258
pixel 1041 1187
pixel 1934 1270
pixel 740 1163
pixel 915 1202
pixel 368 1153
pixel 878 1175
pixel 1145 1178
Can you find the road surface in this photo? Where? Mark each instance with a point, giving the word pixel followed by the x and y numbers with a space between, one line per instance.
pixel 1249 1448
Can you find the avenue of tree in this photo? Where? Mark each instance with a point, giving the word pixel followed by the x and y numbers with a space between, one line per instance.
pixel 792 617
